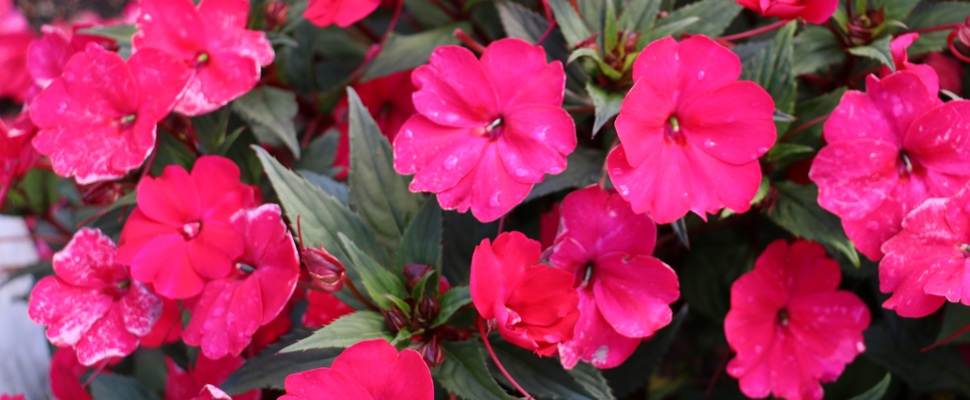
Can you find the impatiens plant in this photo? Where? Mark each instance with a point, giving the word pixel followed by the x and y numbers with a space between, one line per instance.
pixel 444 199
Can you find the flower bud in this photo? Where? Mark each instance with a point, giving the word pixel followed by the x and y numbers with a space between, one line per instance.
pixel 414 272
pixel 427 310
pixel 395 319
pixel 959 42
pixel 276 12
pixel 431 351
pixel 100 193
pixel 326 271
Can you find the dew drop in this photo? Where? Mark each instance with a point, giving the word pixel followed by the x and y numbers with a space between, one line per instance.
pixel 700 75
pixel 861 347
pixel 521 172
pixel 623 190
pixel 709 143
pixel 495 200
pixel 451 163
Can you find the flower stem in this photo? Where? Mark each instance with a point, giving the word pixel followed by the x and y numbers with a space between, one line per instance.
pixel 550 20
pixel 488 346
pixel 468 41
pixel 929 29
pixel 755 31
pixel 947 339
pixel 353 289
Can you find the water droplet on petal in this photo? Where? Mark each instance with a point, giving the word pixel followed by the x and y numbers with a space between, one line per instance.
pixel 700 75
pixel 496 199
pixel 451 163
pixel 623 190
pixel 521 172
pixel 709 143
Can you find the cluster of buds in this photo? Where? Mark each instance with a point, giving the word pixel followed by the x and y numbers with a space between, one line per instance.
pixel 863 27
pixel 424 308
pixel 615 64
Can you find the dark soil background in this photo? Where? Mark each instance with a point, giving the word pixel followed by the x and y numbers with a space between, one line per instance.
pixel 43 11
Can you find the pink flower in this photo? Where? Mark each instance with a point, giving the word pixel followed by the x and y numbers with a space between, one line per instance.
pixel 168 328
pixel 889 149
pixel 948 69
pixel 323 308
pixel 372 369
pixel 901 61
pixel 97 120
pixel 344 13
pixel 790 326
pixel 91 303
pixel 65 375
pixel 688 113
pixel 49 54
pixel 533 304
pixel 814 11
pixel 187 385
pixel 926 263
pixel 487 130
pixel 15 36
pixel 212 39
pixel 5 396
pixel 180 235
pixel 229 310
pixel 17 156
pixel 624 292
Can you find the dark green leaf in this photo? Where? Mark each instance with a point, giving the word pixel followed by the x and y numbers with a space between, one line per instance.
pixel 520 22
pixel 935 14
pixel 817 48
pixel 798 212
pixel 592 380
pixel 570 23
pixel 594 15
pixel 336 189
pixel 680 228
pixel 583 168
pixel 876 392
pixel 451 301
pixel 428 14
pixel 270 111
pixel 637 370
pixel 955 317
pixel 715 261
pixel 344 332
pixel 782 150
pixel 543 377
pixel 896 9
pixel 118 387
pixel 465 373
pixel 877 50
pixel 318 156
pixel 421 243
pixel 815 111
pixel 377 192
pixel 270 367
pixel 895 344
pixel 211 128
pixel 639 15
pixel 118 33
pixel 607 105
pixel 403 52
pixel 377 280
pixel 673 28
pixel 773 69
pixel 715 16
pixel 610 31
pixel 462 232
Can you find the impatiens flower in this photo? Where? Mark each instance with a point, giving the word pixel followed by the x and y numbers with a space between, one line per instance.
pixel 344 13
pixel 229 310
pixel 168 328
pixel 889 149
pixel 624 292
pixel 372 369
pixel 17 156
pixel 15 37
pixel 486 130
pixel 901 61
pixel 97 120
pixel 49 54
pixel 926 264
pixel 323 308
pixel 187 385
pixel 534 305
pixel 91 302
pixel 210 38
pixel 65 375
pixel 948 69
pixel 814 11
pixel 790 326
pixel 180 236
pixel 690 133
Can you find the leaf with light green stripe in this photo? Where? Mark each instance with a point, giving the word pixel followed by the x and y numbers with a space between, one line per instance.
pixel 344 332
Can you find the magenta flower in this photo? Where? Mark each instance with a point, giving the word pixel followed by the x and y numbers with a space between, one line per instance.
pixel 344 13
pixel 210 38
pixel 323 308
pixel 901 61
pixel 17 156
pixel 814 11
pixel 230 310
pixel 624 292
pixel 889 149
pixel 685 114
pixel 91 303
pixel 486 130
pixel 790 326
pixel 97 120
pixel 180 236
pixel 181 384
pixel 534 305
pixel 372 369
pixel 48 55
pixel 926 263
pixel 15 37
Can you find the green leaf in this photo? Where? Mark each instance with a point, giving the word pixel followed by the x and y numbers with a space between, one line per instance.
pixel 715 16
pixel 119 33
pixel 639 15
pixel 270 111
pixel 876 392
pixel 815 111
pixel 594 15
pixel 583 169
pixel 403 52
pixel 877 50
pixel 773 69
pixel 956 316
pixel 377 192
pixel 270 367
pixel 344 332
pixel 817 48
pixel 782 150
pixel 421 243
pixel 935 14
pixel 211 128
pixel 637 370
pixel 592 380
pixel 610 31
pixel 542 377
pixel 520 22
pixel 570 23
pixel 377 280
pixel 607 70
pixel 318 156
pixel 674 28
pixel 465 373
pixel 118 387
pixel 451 301
pixel 607 105
pixel 895 343
pixel 716 260
pixel 896 9
pixel 798 212
pixel 336 189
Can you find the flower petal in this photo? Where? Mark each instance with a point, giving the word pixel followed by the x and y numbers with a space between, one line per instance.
pixel 454 90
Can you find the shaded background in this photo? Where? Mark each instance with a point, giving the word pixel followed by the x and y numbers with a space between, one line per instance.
pixel 43 11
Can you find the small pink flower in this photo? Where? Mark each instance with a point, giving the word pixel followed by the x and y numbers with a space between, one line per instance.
pixel 180 236
pixel 486 130
pixel 926 263
pixel 187 385
pixel 372 369
pixel 814 11
pixel 889 149
pixel 91 303
pixel 534 305
pixel 344 13
pixel 688 113
pixel 790 326
pixel 210 38
pixel 97 120
pixel 230 310
pixel 17 155
pixel 624 292
pixel 901 60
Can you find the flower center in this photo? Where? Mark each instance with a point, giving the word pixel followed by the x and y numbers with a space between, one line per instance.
pixel 587 275
pixel 672 132
pixel 127 121
pixel 782 317
pixel 494 129
pixel 201 59
pixel 905 165
pixel 965 248
pixel 191 230
pixel 245 268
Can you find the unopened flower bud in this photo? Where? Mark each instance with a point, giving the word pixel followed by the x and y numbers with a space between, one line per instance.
pixel 101 193
pixel 325 269
pixel 276 12
pixel 431 352
pixel 427 310
pixel 959 42
pixel 395 319
pixel 414 272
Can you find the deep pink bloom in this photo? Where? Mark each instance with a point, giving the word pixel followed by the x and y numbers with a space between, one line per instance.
pixel 210 392
pixel 624 292
pixel 180 235
pixel 534 305
pixel 49 54
pixel 323 308
pixel 372 369
pixel 889 149
pixel 229 310
pixel 91 303
pixel 926 264
pixel 17 155
pixel 97 120
pixel 487 130
pixel 814 11
pixel 213 40
pixel 15 37
pixel 688 113
pixel 65 375
pixel 948 69
pixel 344 13
pixel 901 60
pixel 790 326
pixel 168 328
pixel 186 385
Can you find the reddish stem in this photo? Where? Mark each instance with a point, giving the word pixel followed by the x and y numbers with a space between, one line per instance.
pixel 468 41
pixel 353 289
pixel 717 373
pixel 937 28
pixel 753 32
pixel 808 124
pixel 488 347
pixel 394 18
pixel 550 20
pixel 947 339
